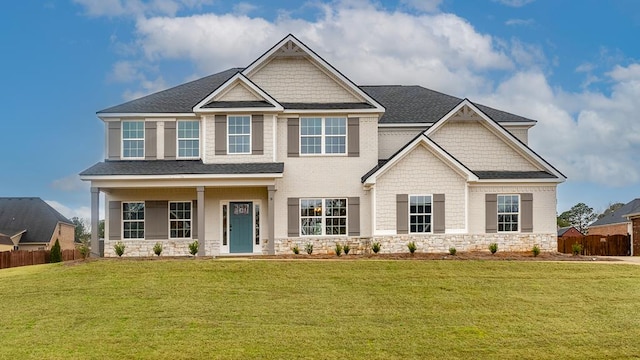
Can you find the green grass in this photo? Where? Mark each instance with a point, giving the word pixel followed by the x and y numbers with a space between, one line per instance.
pixel 186 309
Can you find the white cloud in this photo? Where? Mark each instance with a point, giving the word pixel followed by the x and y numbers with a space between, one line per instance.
pixel 243 8
pixel 82 212
pixel 514 3
pixel 520 22
pixel 134 72
pixel 137 8
pixel 70 183
pixel 422 5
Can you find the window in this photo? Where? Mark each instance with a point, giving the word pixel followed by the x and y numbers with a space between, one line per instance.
pixel 180 220
pixel 323 217
pixel 189 139
pixel 323 135
pixel 133 220
pixel 224 225
pixel 420 212
pixel 256 208
pixel 508 212
pixel 133 139
pixel 239 130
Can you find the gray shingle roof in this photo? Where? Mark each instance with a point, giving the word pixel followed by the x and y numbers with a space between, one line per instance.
pixel 174 167
pixel 415 104
pixel 5 240
pixel 32 214
pixel 179 99
pixel 617 217
pixel 404 104
pixel 486 175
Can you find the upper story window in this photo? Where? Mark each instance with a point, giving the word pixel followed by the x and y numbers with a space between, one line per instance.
pixel 323 135
pixel 420 212
pixel 133 139
pixel 188 139
pixel 508 212
pixel 239 133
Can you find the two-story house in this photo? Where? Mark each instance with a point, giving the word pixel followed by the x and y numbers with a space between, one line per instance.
pixel 288 151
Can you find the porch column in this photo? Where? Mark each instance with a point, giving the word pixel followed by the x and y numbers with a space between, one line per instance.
pixel 271 246
pixel 95 214
pixel 201 249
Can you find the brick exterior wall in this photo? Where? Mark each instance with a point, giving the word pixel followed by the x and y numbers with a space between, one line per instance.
pixel 611 229
pixel 479 148
pixel 298 80
pixel 572 232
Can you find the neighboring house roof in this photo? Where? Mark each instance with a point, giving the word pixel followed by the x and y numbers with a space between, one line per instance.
pixel 175 167
pixel 33 214
pixel 563 230
pixel 5 240
pixel 618 216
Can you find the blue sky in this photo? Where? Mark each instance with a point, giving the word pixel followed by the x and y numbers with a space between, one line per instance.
pixel 572 65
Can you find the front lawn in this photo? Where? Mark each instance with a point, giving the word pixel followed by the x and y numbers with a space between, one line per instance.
pixel 191 309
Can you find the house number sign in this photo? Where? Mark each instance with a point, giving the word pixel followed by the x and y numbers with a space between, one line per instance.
pixel 240 209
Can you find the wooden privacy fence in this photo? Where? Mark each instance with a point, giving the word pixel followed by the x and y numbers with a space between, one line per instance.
pixel 612 245
pixel 23 257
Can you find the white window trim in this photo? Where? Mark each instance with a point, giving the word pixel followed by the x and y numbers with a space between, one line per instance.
pixel 122 220
pixel 178 140
pixel 409 214
pixel 250 135
pixel 324 216
pixel 190 220
pixel 257 249
pixel 519 213
pixel 122 140
pixel 323 136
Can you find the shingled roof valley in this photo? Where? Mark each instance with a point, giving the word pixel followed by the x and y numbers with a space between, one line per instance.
pixel 31 214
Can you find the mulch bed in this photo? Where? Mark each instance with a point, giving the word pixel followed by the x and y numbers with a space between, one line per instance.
pixel 472 255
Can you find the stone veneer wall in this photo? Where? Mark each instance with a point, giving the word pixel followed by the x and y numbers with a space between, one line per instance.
pixel 425 243
pixel 141 248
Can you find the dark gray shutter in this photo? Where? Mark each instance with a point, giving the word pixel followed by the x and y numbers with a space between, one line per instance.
pixel 438 214
pixel 526 209
pixel 491 213
pixel 257 134
pixel 221 134
pixel 194 219
pixel 354 137
pixel 156 220
pixel 293 137
pixel 170 140
pixel 293 217
pixel 150 140
pixel 115 219
pixel 402 213
pixel 353 211
pixel 115 137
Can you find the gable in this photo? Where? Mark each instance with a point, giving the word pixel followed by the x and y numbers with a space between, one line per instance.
pixel 238 92
pixel 479 148
pixel 298 80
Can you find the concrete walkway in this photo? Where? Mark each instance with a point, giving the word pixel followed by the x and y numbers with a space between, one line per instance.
pixel 635 260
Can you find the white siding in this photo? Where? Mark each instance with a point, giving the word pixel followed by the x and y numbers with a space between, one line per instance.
pixel 420 172
pixel 298 80
pixel 392 140
pixel 238 93
pixel 522 133
pixel 210 141
pixel 478 148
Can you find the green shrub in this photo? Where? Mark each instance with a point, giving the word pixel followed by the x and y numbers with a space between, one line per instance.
pixel 157 249
pixel 338 249
pixel 576 249
pixel 376 247
pixel 412 247
pixel 119 248
pixel 452 251
pixel 535 250
pixel 84 248
pixel 296 250
pixel 193 248
pixel 493 247
pixel 308 248
pixel 56 252
pixel 346 249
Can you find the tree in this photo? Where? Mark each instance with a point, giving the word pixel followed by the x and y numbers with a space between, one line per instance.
pixel 610 209
pixel 81 230
pixel 580 215
pixel 56 252
pixel 101 229
pixel 563 219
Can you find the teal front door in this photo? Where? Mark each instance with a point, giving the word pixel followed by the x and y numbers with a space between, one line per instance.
pixel 241 227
